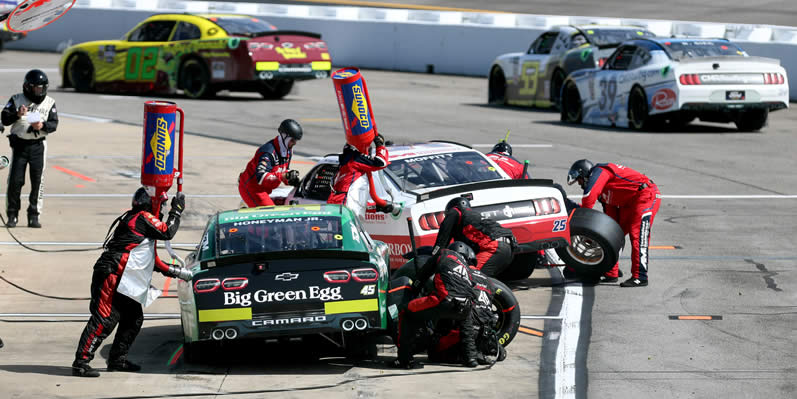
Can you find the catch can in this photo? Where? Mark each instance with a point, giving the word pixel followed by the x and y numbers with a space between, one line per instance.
pixel 355 108
pixel 157 165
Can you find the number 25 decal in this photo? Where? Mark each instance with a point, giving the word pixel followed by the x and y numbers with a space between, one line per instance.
pixel 559 225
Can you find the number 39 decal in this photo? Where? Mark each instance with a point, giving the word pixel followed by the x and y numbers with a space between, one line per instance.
pixel 559 225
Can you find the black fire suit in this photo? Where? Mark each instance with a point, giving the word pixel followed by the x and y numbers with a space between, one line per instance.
pixel 452 299
pixel 135 232
pixel 29 147
pixel 491 241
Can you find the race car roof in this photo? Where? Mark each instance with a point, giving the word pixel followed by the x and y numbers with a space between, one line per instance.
pixel 435 147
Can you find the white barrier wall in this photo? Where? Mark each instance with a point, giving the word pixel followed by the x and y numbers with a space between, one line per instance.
pixel 404 40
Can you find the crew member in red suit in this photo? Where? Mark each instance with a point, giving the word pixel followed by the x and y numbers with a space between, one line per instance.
pixel 350 185
pixel 270 166
pixel 502 155
pixel 631 199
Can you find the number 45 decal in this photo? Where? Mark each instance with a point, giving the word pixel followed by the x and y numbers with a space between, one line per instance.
pixel 559 225
pixel 368 290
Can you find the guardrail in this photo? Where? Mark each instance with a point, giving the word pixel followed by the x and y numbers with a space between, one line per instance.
pixel 448 42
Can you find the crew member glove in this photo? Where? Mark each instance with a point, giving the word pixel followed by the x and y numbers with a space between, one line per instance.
pixel 416 286
pixel 292 178
pixel 178 204
pixel 181 272
pixel 379 140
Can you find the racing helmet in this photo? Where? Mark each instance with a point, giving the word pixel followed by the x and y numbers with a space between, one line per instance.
pixel 141 199
pixel 580 168
pixel 503 147
pixel 291 128
pixel 460 203
pixel 35 85
pixel 465 250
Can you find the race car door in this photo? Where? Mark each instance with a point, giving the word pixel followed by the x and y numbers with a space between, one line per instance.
pixel 527 82
pixel 610 103
pixel 141 52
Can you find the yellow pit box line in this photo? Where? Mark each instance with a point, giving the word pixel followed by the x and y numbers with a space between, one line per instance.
pixel 357 305
pixel 225 314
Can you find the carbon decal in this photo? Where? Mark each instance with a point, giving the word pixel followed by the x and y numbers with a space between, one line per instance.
pixel 644 241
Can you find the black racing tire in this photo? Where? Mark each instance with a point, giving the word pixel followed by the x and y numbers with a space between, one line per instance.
pixel 638 118
pixel 508 309
pixel 276 90
pixel 195 79
pixel 752 120
pixel 557 79
pixel 80 71
pixel 192 352
pixel 571 109
pixel 359 347
pixel 595 243
pixel 496 90
pixel 521 268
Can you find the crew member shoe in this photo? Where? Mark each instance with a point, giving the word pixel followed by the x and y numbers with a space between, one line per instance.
pixel 408 365
pixel 123 365
pixel 84 370
pixel 607 279
pixel 471 363
pixel 634 282
pixel 12 221
pixel 33 221
pixel 1 343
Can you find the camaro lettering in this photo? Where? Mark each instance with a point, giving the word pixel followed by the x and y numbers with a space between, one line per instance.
pixel 263 296
pixel 291 320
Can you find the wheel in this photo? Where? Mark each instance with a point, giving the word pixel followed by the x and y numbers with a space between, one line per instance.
pixel 195 79
pixel 360 347
pixel 521 268
pixel 752 120
pixel 192 352
pixel 277 89
pixel 637 109
pixel 497 87
pixel 571 104
pixel 81 73
pixel 556 87
pixel 595 243
pixel 507 308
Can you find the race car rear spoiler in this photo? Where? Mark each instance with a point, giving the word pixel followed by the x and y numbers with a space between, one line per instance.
pixel 297 254
pixel 481 186
pixel 288 32
pixel 729 58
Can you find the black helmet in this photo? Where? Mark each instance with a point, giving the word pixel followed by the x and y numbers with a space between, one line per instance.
pixel 35 86
pixel 580 168
pixel 503 147
pixel 465 250
pixel 141 199
pixel 460 203
pixel 291 128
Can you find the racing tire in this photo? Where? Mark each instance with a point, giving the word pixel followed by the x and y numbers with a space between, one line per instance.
pixel 81 73
pixel 752 120
pixel 360 348
pixel 571 109
pixel 195 79
pixel 595 243
pixel 638 109
pixel 496 91
pixel 277 90
pixel 557 80
pixel 506 306
pixel 521 268
pixel 192 352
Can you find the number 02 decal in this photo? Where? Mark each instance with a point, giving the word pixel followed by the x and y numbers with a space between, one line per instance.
pixel 559 225
pixel 140 64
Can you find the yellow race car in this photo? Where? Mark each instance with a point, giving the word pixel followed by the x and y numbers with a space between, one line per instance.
pixel 200 55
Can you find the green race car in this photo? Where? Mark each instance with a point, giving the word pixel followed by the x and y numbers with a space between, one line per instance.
pixel 284 271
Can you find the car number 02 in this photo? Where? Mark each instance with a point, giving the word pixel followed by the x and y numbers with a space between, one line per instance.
pixel 559 225
pixel 368 290
pixel 608 92
pixel 141 63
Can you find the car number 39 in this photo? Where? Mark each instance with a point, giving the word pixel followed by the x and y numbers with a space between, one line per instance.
pixel 368 290
pixel 559 225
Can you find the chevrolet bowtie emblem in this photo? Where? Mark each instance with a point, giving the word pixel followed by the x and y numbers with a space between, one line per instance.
pixel 287 276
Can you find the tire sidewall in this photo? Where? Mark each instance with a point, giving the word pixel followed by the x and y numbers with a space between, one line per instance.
pixel 600 228
pixel 570 89
pixel 504 298
pixel 496 75
pixel 195 65
pixel 637 94
pixel 82 86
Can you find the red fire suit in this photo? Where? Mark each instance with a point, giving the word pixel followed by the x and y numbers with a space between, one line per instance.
pixel 510 165
pixel 491 241
pixel 631 199
pixel 264 172
pixel 353 164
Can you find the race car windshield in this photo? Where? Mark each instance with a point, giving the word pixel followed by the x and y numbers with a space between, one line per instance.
pixel 696 49
pixel 249 27
pixel 441 170
pixel 613 37
pixel 280 234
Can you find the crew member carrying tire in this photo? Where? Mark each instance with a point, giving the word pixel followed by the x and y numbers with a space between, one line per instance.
pixel 630 198
pixel 270 166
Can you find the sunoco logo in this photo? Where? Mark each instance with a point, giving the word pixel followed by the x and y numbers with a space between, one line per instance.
pixel 161 143
pixel 263 296
pixel 360 107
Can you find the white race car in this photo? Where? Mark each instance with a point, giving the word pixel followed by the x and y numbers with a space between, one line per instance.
pixel 422 178
pixel 676 81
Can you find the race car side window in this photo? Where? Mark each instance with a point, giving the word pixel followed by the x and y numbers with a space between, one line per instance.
pixel 153 31
pixel 544 43
pixel 621 58
pixel 640 59
pixel 186 31
pixel 319 186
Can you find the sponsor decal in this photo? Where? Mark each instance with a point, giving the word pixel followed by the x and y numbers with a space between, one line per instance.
pixel 663 99
pixel 265 296
pixel 734 95
pixel 428 157
pixel 277 220
pixel 375 216
pixel 287 321
pixel 287 276
pixel 498 212
pixel 399 248
pixel 360 107
pixel 161 143
pixel 644 236
pixel 290 53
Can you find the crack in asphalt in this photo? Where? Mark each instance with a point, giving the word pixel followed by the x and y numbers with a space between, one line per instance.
pixel 769 277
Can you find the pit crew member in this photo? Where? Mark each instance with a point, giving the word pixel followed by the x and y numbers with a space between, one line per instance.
pixel 501 154
pixel 270 166
pixel 350 185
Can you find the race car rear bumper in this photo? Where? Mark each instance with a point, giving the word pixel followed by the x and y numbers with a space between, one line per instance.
pixel 731 107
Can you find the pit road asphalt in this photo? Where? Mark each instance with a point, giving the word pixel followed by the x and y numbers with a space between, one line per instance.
pixel 727 212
